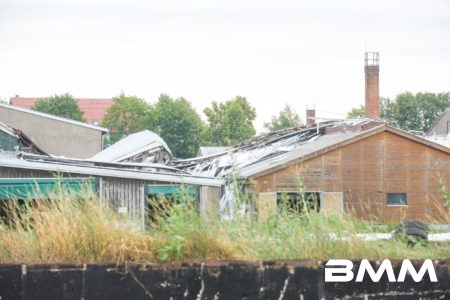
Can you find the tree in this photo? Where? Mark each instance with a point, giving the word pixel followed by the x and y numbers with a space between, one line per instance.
pixel 287 118
pixel 415 112
pixel 127 114
pixel 357 112
pixel 230 122
pixel 410 112
pixel 60 105
pixel 431 106
pixel 177 122
pixel 407 112
pixel 388 109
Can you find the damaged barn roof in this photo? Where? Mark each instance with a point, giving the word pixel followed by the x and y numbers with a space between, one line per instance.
pixel 144 146
pixel 254 157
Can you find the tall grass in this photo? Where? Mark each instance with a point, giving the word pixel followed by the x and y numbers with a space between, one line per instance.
pixel 67 229
pixel 285 234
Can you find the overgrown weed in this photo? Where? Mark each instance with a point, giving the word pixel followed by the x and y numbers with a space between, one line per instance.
pixel 70 229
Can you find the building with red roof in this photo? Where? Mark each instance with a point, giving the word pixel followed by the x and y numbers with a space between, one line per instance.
pixel 94 108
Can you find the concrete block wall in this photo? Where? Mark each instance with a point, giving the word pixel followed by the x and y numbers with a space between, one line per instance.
pixel 276 279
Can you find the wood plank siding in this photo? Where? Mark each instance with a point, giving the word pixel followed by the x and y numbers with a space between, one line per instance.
pixel 125 195
pixel 117 192
pixel 365 171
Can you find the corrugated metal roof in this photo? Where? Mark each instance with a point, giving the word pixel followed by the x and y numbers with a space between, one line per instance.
pixel 132 145
pixel 38 113
pixel 13 162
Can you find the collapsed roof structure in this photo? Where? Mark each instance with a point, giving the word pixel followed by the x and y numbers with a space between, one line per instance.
pixel 15 140
pixel 144 147
pixel 268 150
pixel 271 148
pixel 268 160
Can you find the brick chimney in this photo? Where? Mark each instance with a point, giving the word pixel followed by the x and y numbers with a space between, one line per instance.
pixel 310 115
pixel 372 71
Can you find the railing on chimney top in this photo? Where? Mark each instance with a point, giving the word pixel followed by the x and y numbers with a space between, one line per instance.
pixel 372 59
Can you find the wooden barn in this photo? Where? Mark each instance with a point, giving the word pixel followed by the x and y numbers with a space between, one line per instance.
pixel 378 172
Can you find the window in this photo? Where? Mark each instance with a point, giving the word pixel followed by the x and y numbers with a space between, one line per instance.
pixel 394 199
pixel 295 201
pixel 160 197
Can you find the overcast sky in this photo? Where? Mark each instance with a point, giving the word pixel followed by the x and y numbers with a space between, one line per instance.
pixel 272 52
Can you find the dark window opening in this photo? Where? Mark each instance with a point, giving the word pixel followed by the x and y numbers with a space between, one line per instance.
pixel 299 202
pixel 161 198
pixel 396 199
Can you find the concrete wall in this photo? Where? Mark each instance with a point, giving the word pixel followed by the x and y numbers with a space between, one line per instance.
pixel 293 279
pixel 54 136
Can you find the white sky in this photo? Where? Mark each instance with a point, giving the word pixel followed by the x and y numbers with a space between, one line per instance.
pixel 272 52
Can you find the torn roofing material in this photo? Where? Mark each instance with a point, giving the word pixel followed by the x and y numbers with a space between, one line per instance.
pixel 256 156
pixel 145 146
pixel 206 151
pixel 15 140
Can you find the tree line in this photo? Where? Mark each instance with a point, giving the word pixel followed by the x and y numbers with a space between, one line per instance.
pixel 229 122
pixel 412 112
pixel 175 120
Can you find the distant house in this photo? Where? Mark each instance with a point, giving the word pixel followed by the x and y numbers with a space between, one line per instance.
pixel 55 135
pixel 366 167
pixel 441 126
pixel 94 109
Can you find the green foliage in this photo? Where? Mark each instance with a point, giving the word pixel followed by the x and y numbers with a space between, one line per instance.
pixel 178 124
pixel 286 118
pixel 127 114
pixel 285 234
pixel 431 106
pixel 357 112
pixel 388 109
pixel 407 109
pixel 230 122
pixel 60 105
pixel 415 112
